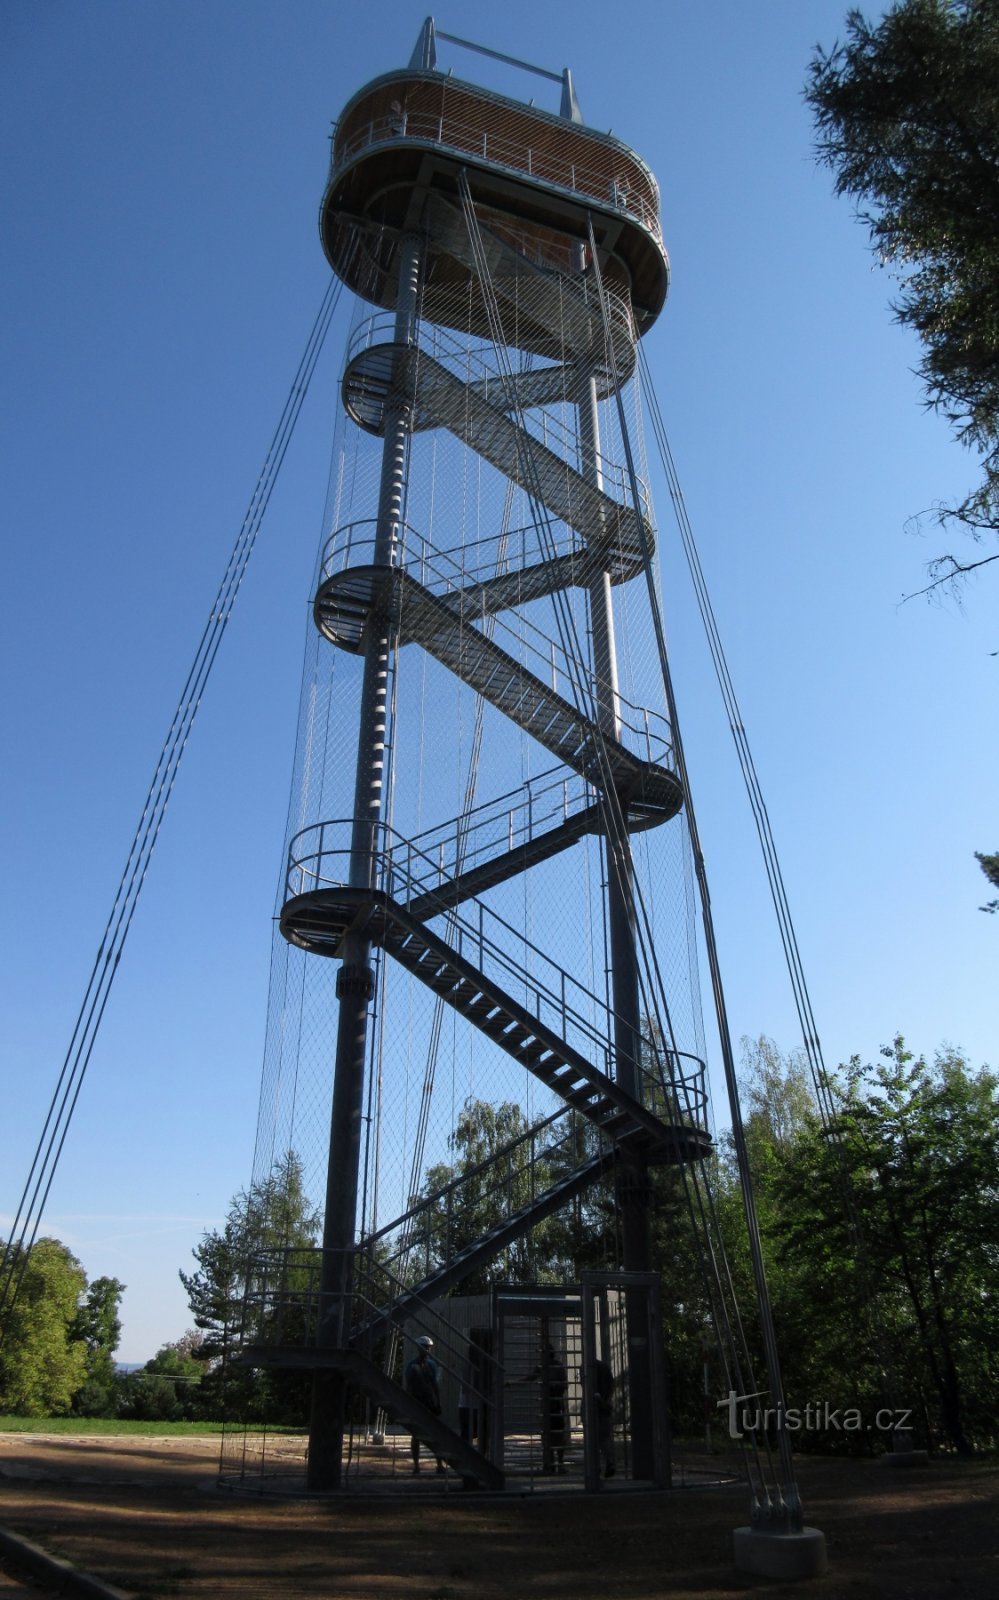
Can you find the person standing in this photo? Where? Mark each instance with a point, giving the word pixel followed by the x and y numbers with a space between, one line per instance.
pixel 423 1383
pixel 604 1386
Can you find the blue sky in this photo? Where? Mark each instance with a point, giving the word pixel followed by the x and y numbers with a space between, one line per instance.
pixel 162 173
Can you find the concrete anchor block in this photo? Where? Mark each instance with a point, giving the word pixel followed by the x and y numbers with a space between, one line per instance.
pixel 780 1555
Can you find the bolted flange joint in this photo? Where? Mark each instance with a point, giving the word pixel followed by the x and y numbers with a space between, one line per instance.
pixel 355 980
pixel 634 1190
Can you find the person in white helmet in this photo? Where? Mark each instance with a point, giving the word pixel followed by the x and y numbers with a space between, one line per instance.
pixel 423 1383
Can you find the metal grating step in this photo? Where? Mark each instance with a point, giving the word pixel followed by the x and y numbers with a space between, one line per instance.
pixel 618 532
pixel 317 920
pixel 552 1060
pixel 516 692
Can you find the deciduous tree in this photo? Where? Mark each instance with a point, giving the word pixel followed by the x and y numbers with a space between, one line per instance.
pixel 97 1323
pixel 42 1362
pixel 167 1388
pixel 498 1167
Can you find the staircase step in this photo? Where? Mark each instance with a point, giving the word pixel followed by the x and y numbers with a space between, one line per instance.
pixel 532 1043
pixel 446 983
pixel 479 1010
pixel 606 525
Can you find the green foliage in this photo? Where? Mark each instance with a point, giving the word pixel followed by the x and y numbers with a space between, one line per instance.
pixel 908 120
pixel 95 1427
pixel 149 1397
pixel 274 1214
pixel 990 867
pixel 880 1235
pixel 881 1244
pixel 778 1100
pixel 98 1325
pixel 499 1166
pixel 888 1232
pixel 168 1386
pixel 42 1361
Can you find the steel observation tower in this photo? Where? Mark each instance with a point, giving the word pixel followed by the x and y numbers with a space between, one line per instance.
pixel 509 258
pixel 489 861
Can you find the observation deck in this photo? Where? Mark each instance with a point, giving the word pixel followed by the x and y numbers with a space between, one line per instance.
pixel 538 180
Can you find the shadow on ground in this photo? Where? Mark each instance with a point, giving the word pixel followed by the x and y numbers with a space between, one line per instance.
pixel 144 1516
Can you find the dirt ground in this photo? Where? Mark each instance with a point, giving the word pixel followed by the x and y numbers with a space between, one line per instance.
pixel 145 1515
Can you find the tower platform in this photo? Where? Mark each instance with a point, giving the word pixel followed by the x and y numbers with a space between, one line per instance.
pixel 407 136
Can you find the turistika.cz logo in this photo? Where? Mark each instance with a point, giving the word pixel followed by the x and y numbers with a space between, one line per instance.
pixel 815 1417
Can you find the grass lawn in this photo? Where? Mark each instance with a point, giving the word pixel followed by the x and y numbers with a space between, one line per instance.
pixel 118 1425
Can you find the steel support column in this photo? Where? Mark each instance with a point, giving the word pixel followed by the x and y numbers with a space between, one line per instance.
pixel 355 979
pixel 632 1188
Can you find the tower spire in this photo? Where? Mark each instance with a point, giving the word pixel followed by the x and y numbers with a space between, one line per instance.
pixel 424 57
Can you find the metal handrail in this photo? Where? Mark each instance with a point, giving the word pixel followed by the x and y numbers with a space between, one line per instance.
pixel 419 1205
pixel 522 160
pixel 284 1304
pixel 439 1225
pixel 443 572
pixel 441 343
pixel 405 874
pixel 504 823
pixel 478 363
pixel 648 730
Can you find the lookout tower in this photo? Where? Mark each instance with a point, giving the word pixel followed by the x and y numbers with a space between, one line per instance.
pixel 488 882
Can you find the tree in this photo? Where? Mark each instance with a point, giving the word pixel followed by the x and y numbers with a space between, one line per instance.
pixel 990 867
pixel 190 1344
pixel 274 1214
pixel 42 1362
pixel 167 1387
pixel 914 1156
pixel 908 119
pixel 98 1325
pixel 499 1165
pixel 776 1091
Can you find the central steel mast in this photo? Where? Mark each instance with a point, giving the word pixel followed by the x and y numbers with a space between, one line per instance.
pixel 355 979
